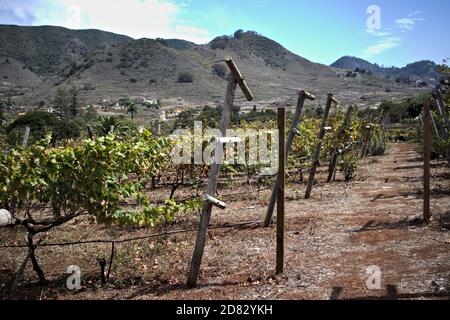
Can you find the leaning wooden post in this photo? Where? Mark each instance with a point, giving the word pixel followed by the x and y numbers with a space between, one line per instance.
pixel 441 103
pixel 440 106
pixel 281 189
pixel 303 95
pixel 441 115
pixel 337 153
pixel 234 79
pixel 26 136
pixel 435 127
pixel 316 155
pixel 426 167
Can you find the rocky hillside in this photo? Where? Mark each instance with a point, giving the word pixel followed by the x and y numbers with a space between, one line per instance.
pixel 35 61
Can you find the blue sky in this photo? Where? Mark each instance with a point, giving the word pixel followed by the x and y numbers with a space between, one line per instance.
pixel 321 30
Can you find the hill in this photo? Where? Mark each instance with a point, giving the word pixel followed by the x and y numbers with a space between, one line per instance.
pixel 107 67
pixel 44 49
pixel 422 70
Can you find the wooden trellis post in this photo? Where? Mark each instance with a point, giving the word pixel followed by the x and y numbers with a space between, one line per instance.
pixel 426 167
pixel 303 95
pixel 337 153
pixel 281 189
pixel 368 131
pixel 440 107
pixel 435 127
pixel 90 132
pixel 26 136
pixel 234 79
pixel 316 155
pixel 440 102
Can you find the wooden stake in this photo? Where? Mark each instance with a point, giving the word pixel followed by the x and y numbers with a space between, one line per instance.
pixel 316 155
pixel 303 95
pixel 427 156
pixel 234 79
pixel 90 132
pixel 281 189
pixel 26 136
pixel 335 155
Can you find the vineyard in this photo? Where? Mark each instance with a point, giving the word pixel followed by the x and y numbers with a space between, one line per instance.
pixel 114 203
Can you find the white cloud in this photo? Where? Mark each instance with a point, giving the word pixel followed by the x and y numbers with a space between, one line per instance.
pixel 381 45
pixel 378 33
pixel 135 18
pixel 408 24
pixel 382 40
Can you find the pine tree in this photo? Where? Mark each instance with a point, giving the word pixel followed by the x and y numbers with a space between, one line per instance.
pixel 73 103
pixel 60 102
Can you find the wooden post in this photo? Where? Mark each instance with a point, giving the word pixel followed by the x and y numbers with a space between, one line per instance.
pixel 441 104
pixel 234 79
pixel 111 129
pixel 335 155
pixel 435 128
pixel 281 189
pixel 90 132
pixel 303 95
pixel 426 167
pixel 440 107
pixel 366 133
pixel 316 155
pixel 26 136
pixel 441 115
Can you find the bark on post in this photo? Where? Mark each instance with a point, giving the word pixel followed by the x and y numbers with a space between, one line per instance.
pixel 426 156
pixel 316 155
pixel 234 79
pixel 336 154
pixel 281 189
pixel 303 95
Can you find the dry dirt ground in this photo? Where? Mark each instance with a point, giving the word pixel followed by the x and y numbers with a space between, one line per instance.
pixel 331 240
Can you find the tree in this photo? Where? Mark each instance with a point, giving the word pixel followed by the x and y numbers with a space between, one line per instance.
pixel 39 122
pixel 60 102
pixel 132 109
pixel 238 34
pixel 73 103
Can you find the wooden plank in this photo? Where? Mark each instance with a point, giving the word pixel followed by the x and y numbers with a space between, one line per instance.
pixel 335 155
pixel 212 186
pixel 426 167
pixel 239 78
pixel 281 189
pixel 316 155
pixel 303 95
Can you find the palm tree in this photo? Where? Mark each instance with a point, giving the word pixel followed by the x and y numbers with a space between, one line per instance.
pixel 132 109
pixel 105 124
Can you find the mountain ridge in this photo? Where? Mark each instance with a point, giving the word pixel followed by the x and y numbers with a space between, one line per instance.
pixel 106 67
